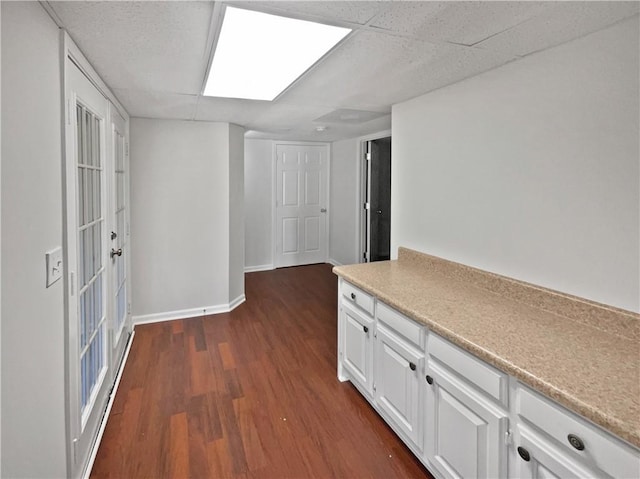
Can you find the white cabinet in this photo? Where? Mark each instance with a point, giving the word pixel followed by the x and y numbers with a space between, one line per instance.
pixel 534 457
pixel 397 381
pixel 465 429
pixel 462 417
pixel 551 441
pixel 357 346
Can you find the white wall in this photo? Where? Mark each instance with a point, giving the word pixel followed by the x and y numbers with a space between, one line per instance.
pixel 530 170
pixel 180 211
pixel 236 213
pixel 258 186
pixel 33 373
pixel 344 216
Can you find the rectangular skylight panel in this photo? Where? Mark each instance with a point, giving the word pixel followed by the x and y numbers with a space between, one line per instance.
pixel 259 55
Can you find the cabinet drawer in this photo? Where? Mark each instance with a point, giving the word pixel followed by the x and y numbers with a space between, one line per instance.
pixel 357 296
pixel 472 369
pixel 601 450
pixel 402 325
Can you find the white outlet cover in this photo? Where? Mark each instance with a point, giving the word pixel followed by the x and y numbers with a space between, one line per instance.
pixel 53 260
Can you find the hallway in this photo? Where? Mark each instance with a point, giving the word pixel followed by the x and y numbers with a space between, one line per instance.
pixel 251 394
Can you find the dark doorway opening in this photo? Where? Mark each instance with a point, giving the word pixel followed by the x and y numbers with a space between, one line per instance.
pixel 378 200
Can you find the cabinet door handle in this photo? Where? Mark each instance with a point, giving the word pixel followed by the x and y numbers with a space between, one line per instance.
pixel 429 379
pixel 524 454
pixel 576 442
pixel 412 366
pixel 365 329
pixel 353 296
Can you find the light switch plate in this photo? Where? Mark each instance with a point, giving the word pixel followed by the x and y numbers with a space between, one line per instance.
pixel 54 265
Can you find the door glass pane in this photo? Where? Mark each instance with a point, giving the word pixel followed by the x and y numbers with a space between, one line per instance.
pixel 90 251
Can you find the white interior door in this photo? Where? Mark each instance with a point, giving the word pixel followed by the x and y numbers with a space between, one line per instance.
pixel 119 236
pixel 301 204
pixel 86 222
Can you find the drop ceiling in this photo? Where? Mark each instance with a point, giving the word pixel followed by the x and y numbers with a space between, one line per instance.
pixel 154 55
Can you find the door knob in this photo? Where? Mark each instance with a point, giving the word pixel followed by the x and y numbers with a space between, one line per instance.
pixel 323 210
pixel 116 252
pixel 379 212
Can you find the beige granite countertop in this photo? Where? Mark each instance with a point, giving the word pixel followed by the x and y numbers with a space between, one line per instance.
pixel 584 355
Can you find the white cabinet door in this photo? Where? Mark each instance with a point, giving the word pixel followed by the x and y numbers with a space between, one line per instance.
pixel 357 347
pixel 465 431
pixel 397 384
pixel 535 458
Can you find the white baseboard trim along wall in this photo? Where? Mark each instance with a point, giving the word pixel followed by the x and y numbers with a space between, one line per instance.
pixel 188 313
pixel 261 267
pixel 334 262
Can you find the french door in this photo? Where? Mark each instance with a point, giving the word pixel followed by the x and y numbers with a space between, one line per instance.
pixel 301 192
pixel 118 236
pixel 86 255
pixel 96 239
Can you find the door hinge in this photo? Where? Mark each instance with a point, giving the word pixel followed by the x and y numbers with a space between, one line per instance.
pixel 507 438
pixel 366 206
pixel 374 386
pixel 128 308
pixel 72 280
pixel 126 148
pixel 368 156
pixel 68 112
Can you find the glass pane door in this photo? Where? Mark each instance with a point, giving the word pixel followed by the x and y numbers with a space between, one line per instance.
pixel 90 228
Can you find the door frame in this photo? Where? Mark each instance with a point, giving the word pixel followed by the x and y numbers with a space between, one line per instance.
pixel 362 189
pixel 274 193
pixel 69 51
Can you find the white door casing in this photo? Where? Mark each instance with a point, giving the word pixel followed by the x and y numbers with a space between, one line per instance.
pixel 301 204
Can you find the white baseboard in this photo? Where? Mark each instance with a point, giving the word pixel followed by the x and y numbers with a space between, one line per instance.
pixel 334 262
pixel 105 418
pixel 188 313
pixel 237 302
pixel 261 267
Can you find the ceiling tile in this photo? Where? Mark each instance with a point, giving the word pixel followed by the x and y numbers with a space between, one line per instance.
pixel 148 104
pixel 372 71
pixel 158 46
pixel 359 12
pixel 348 116
pixel 231 110
pixel 566 21
pixel 459 22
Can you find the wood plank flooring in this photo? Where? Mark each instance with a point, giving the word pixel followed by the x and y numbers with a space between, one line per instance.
pixel 249 394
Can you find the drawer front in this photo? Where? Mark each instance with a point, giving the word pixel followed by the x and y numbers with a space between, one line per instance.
pixel 601 450
pixel 402 325
pixel 358 297
pixel 472 369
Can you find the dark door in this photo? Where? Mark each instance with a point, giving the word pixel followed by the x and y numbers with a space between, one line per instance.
pixel 380 200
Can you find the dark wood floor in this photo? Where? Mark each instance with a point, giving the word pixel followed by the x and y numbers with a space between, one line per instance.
pixel 249 394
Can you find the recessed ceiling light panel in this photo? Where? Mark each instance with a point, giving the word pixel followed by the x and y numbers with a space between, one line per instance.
pixel 259 55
